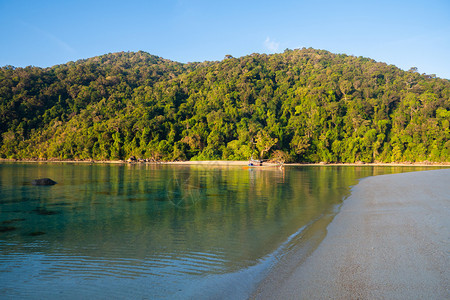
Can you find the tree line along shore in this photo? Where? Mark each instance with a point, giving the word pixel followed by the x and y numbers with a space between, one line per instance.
pixel 300 106
pixel 229 163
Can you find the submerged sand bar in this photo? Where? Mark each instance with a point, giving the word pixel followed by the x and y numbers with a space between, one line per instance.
pixel 390 240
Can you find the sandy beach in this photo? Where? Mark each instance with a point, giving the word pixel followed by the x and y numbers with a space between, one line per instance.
pixel 390 240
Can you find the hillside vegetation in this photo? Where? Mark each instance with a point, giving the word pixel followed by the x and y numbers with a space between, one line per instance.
pixel 301 105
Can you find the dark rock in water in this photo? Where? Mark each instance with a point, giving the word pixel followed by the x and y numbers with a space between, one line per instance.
pixel 7 228
pixel 12 221
pixel 45 212
pixel 59 204
pixel 36 233
pixel 43 181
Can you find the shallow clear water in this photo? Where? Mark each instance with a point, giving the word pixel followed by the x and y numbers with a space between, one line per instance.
pixel 156 231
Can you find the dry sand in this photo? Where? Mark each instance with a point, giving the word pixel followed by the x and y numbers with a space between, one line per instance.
pixel 390 240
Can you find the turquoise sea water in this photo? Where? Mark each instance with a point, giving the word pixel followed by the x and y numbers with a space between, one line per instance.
pixel 157 231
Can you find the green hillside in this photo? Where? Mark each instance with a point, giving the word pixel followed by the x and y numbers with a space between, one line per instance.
pixel 302 105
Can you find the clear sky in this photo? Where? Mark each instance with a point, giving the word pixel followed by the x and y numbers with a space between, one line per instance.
pixel 406 33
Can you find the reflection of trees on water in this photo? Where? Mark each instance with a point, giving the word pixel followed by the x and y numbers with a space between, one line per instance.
pixel 238 214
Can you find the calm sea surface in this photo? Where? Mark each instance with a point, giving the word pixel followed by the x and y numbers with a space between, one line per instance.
pixel 158 231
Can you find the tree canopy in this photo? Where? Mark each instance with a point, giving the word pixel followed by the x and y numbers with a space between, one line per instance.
pixel 302 105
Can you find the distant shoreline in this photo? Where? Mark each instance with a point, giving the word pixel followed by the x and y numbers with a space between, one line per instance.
pixel 234 163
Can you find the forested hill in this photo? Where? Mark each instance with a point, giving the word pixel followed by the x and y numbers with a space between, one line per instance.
pixel 302 105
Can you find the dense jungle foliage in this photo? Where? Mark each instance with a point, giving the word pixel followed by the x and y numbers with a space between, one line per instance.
pixel 301 105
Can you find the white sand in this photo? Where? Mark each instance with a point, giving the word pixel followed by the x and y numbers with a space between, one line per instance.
pixel 209 163
pixel 390 240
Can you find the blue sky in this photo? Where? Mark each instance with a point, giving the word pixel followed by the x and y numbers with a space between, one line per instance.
pixel 404 33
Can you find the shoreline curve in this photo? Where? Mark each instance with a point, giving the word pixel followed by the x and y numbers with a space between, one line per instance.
pixel 390 240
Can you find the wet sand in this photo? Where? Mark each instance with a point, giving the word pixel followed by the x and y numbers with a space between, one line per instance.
pixel 390 240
